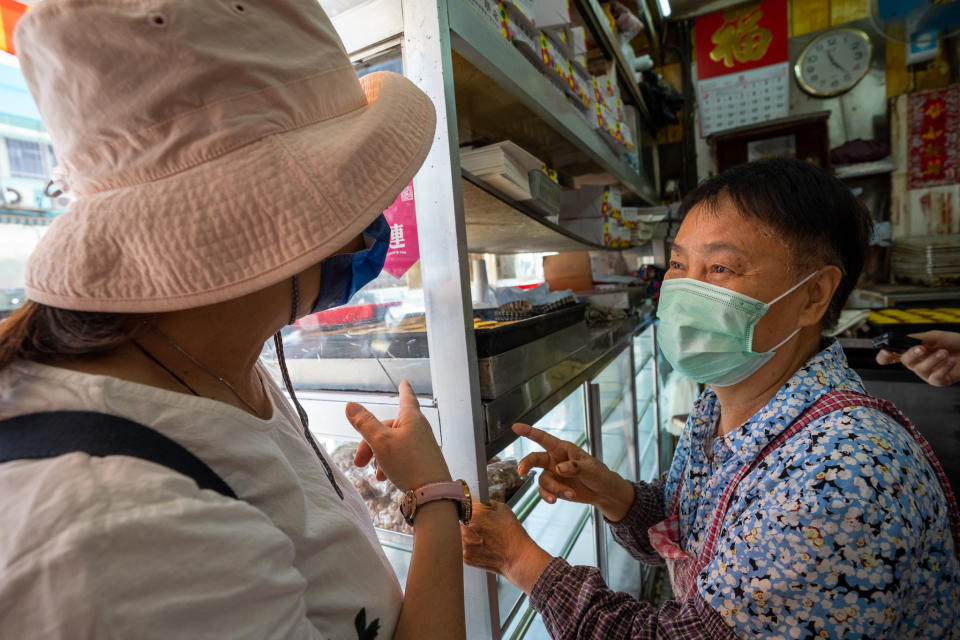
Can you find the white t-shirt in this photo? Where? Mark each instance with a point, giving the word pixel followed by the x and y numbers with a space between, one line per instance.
pixel 118 547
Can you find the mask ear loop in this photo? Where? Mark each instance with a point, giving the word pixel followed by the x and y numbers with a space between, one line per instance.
pixel 780 297
pixel 304 419
pixel 791 289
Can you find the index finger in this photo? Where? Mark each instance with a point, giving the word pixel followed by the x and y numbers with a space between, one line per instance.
pixel 542 438
pixel 886 357
pixel 408 399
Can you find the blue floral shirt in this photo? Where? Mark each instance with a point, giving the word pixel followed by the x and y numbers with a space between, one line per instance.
pixel 842 532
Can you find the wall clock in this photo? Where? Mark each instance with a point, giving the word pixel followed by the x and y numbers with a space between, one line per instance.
pixel 833 62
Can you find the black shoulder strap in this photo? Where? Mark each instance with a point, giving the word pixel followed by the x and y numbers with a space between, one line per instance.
pixel 55 433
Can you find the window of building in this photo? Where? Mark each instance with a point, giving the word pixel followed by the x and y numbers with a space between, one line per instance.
pixel 26 159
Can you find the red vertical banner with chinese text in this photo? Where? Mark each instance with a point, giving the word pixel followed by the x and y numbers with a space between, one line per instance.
pixel 10 13
pixel 742 66
pixel 404 248
pixel 933 137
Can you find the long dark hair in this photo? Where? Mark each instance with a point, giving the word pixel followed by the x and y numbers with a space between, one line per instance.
pixel 39 332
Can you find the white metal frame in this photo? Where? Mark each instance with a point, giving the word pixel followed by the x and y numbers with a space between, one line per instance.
pixel 454 410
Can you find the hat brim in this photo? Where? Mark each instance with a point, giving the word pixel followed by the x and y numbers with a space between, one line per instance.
pixel 241 222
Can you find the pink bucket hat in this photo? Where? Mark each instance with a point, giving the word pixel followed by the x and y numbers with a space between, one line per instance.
pixel 213 147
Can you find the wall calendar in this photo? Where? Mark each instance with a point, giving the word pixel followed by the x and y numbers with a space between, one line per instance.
pixel 743 72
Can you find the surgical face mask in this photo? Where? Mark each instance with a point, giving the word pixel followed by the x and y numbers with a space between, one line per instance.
pixel 343 275
pixel 706 331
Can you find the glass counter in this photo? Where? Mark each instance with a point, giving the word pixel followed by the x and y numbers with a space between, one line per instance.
pixel 549 525
pixel 613 383
pixel 580 549
pixel 642 349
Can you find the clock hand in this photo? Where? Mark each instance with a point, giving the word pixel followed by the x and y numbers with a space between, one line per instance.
pixel 834 62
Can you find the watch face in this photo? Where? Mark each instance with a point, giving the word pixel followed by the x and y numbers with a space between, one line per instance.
pixel 834 62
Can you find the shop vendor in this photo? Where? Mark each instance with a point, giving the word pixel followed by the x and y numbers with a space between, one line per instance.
pixel 796 506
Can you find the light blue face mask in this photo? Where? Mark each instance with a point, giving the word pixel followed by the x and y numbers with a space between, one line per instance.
pixel 341 276
pixel 706 331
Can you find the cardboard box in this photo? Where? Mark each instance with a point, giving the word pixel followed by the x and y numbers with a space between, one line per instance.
pixel 607 91
pixel 551 13
pixel 578 45
pixel 519 30
pixel 555 61
pixel 490 9
pixel 582 83
pixel 600 230
pixel 526 7
pixel 590 201
pixel 568 271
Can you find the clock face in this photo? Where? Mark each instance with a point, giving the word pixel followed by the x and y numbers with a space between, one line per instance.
pixel 834 62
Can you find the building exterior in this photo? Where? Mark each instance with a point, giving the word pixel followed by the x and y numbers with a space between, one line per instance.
pixel 26 163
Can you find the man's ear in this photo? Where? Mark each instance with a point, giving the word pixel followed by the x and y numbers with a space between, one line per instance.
pixel 820 290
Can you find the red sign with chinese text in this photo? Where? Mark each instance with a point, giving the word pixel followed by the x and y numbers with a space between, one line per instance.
pixel 933 137
pixel 404 248
pixel 10 13
pixel 741 39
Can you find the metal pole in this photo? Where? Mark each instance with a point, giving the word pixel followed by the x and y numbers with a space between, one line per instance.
pixel 595 435
pixel 446 283
pixel 656 399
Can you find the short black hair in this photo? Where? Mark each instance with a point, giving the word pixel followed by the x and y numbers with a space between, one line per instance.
pixel 818 216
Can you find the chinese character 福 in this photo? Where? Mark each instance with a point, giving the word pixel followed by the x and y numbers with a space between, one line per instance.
pixel 740 38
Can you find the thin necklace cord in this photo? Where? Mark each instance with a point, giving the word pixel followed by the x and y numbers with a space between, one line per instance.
pixel 304 419
pixel 213 374
pixel 157 362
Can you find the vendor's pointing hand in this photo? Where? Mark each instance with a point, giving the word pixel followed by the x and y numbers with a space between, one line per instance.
pixel 571 473
pixel 406 450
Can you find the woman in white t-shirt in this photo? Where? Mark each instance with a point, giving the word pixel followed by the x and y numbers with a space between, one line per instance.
pixel 228 171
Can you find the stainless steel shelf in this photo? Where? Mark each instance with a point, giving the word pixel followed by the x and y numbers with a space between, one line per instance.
pixel 532 400
pixel 597 23
pixel 496 223
pixel 500 94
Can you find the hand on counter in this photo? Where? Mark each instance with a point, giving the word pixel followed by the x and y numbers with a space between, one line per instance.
pixel 572 474
pixel 937 361
pixel 405 448
pixel 496 541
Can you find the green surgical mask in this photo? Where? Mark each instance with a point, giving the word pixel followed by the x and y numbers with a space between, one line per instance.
pixel 706 331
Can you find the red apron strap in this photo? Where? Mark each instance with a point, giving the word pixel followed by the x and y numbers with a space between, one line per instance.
pixel 826 404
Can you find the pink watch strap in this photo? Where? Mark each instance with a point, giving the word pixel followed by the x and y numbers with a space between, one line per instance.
pixel 455 490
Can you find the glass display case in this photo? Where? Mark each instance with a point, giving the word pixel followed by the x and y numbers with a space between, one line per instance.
pixel 550 525
pixel 645 375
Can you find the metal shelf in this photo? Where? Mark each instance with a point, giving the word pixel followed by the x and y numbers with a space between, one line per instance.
pixel 496 223
pixel 500 94
pixel 597 23
pixel 534 399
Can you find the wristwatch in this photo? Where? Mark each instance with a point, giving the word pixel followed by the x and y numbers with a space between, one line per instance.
pixel 456 490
